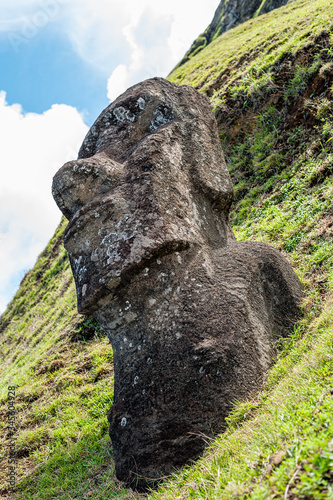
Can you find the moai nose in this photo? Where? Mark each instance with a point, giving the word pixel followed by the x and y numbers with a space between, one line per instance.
pixel 80 181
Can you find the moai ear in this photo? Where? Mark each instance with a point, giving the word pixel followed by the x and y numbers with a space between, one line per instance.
pixel 210 173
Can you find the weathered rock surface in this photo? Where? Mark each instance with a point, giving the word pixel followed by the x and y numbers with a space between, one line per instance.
pixel 229 14
pixel 191 313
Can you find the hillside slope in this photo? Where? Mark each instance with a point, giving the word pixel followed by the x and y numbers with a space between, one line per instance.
pixel 270 82
pixel 229 14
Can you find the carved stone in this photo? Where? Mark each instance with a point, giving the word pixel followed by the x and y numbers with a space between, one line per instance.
pixel 192 314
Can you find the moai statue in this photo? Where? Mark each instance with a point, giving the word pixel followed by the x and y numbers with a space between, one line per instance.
pixel 192 314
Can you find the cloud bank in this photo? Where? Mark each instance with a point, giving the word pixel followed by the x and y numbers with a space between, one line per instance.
pixel 127 40
pixel 33 148
pixel 143 39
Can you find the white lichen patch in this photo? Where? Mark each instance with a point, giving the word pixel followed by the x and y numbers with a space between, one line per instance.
pixel 162 116
pixel 141 103
pixel 122 114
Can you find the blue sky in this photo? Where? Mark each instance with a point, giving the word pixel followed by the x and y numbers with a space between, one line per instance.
pixel 61 63
pixel 46 70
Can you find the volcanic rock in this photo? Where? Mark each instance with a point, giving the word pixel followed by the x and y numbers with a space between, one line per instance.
pixel 193 315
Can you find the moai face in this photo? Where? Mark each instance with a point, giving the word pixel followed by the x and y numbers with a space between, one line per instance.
pixel 150 180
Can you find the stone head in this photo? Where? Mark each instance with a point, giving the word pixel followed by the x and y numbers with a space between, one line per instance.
pixel 150 180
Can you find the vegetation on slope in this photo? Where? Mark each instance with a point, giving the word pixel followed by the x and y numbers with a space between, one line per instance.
pixel 229 14
pixel 270 82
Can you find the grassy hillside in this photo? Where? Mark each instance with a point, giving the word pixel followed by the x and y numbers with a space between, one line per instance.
pixel 270 82
pixel 230 13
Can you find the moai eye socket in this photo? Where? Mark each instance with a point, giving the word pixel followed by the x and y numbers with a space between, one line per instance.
pixel 162 115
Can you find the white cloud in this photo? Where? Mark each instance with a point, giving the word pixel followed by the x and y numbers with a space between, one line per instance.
pixel 118 81
pixel 130 40
pixel 158 36
pixel 96 27
pixel 33 147
pixel 146 36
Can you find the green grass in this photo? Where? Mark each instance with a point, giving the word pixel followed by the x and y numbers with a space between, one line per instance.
pixel 293 420
pixel 270 82
pixel 245 58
